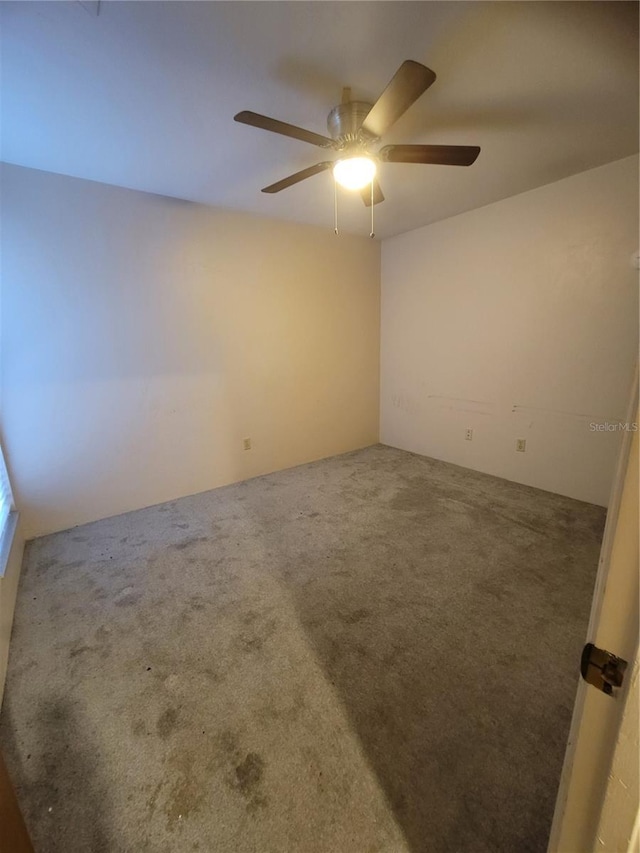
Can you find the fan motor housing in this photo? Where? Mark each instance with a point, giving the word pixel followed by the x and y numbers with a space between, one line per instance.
pixel 344 122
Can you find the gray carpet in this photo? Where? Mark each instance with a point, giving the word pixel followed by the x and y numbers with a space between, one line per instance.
pixel 376 652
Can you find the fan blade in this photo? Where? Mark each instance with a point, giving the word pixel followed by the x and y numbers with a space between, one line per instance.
pixel 440 155
pixel 406 86
pixel 275 126
pixel 297 177
pixel 377 194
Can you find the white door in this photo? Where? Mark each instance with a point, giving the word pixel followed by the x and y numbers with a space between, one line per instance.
pixel 597 805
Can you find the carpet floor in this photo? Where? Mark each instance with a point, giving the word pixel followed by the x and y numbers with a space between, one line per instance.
pixel 375 652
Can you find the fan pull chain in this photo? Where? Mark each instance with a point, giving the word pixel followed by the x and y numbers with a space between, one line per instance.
pixel 372 235
pixel 335 206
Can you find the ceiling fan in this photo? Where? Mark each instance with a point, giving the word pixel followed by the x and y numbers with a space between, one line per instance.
pixel 356 128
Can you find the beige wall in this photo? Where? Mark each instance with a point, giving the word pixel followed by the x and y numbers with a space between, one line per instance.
pixel 144 338
pixel 518 320
pixel 8 591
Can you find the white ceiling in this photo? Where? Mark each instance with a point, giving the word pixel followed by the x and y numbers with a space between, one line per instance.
pixel 143 96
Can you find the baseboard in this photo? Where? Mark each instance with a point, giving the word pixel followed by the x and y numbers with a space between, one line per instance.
pixel 8 593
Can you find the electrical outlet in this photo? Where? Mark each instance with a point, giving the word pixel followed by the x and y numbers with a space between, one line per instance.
pixel 521 445
pixel 468 434
pixel 247 443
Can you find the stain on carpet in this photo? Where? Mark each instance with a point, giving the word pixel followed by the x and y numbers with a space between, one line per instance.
pixel 167 722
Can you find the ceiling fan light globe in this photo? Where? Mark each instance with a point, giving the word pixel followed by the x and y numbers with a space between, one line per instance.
pixel 354 173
